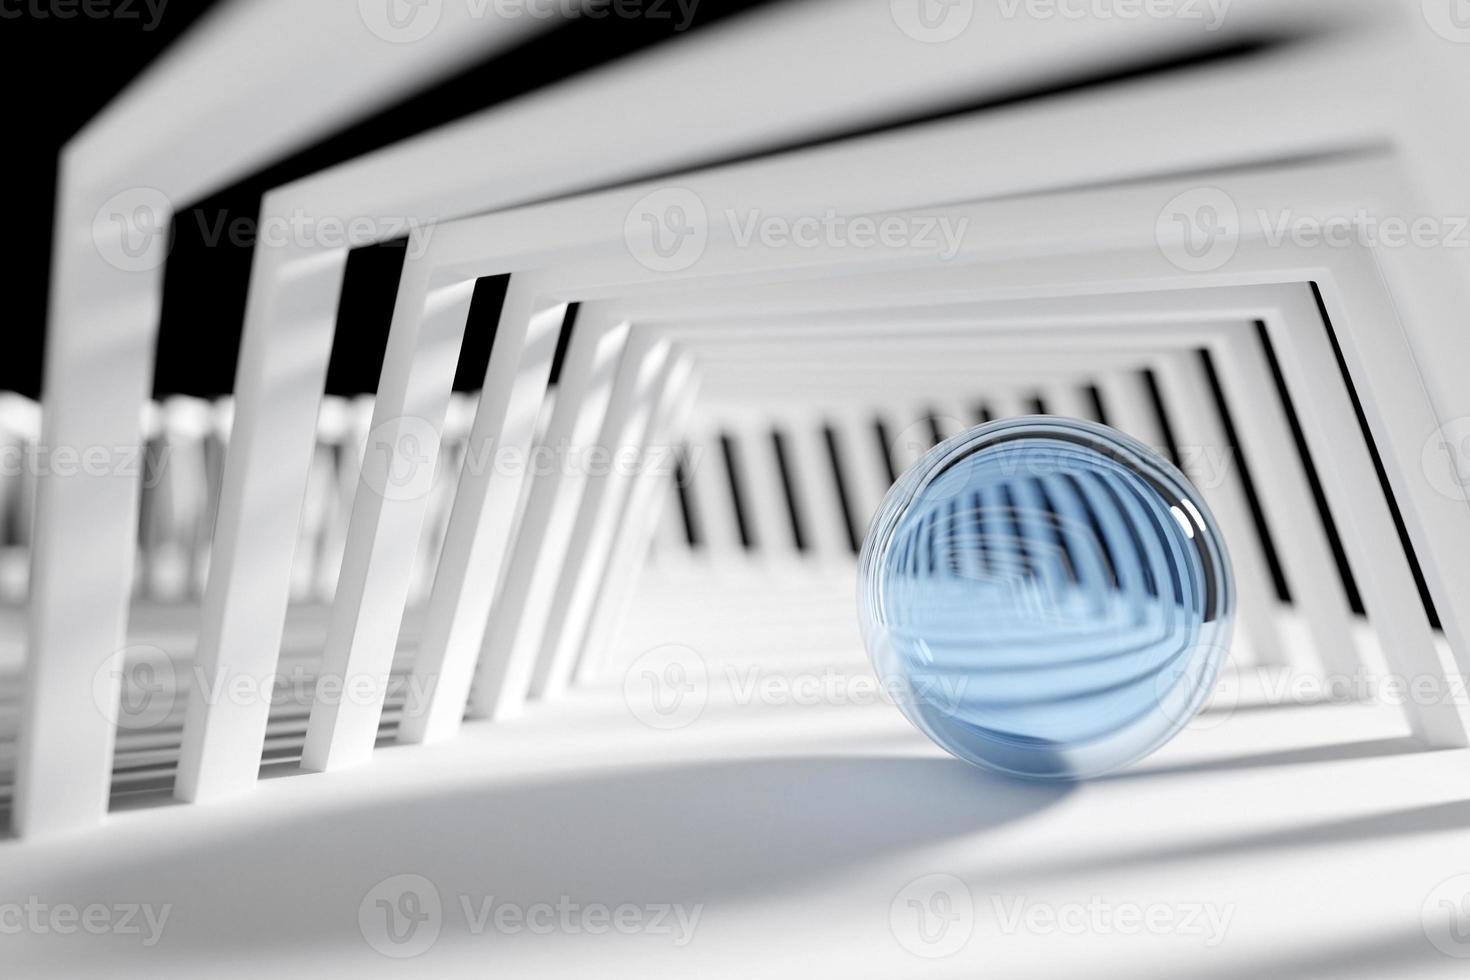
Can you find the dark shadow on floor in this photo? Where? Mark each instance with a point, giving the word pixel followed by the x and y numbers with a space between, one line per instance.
pixel 1386 954
pixel 1311 755
pixel 1257 707
pixel 714 833
pixel 1410 822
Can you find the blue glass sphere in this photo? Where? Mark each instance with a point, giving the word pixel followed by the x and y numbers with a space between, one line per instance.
pixel 1046 597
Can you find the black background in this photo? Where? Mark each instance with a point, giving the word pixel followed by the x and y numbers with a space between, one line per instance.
pixel 59 73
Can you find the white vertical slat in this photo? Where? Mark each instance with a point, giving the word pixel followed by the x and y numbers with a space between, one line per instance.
pixel 1403 420
pixel 816 488
pixel 1064 398
pixel 1202 445
pixel 674 409
pixel 1379 564
pixel 20 432
pixel 183 478
pixel 387 516
pixel 482 524
pixel 866 460
pixel 910 434
pixel 1007 403
pixel 712 495
pixel 671 541
pixel 646 362
pixel 323 499
pixel 458 418
pixel 331 545
pixel 953 417
pixel 1129 409
pixel 765 495
pixel 508 655
pixel 1286 499
pixel 857 454
pixel 222 420
pixel 102 324
pixel 289 321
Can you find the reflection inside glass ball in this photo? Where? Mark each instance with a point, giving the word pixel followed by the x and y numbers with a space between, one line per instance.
pixel 1049 597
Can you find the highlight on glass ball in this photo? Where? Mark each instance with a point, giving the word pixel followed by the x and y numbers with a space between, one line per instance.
pixel 1050 598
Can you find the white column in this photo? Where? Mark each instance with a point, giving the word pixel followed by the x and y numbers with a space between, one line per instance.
pixel 519 617
pixel 482 524
pixel 1202 446
pixel 643 372
pixel 387 515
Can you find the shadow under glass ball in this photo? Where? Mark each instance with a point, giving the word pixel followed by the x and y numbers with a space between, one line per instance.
pixel 1046 597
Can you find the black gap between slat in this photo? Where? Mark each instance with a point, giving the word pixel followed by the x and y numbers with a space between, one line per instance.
pixel 1388 494
pixel 733 473
pixel 849 519
pixel 935 433
pixel 1170 446
pixel 788 487
pixel 885 450
pixel 1095 398
pixel 1314 481
pixel 364 318
pixel 563 341
pixel 481 324
pixel 684 485
pixel 1247 482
